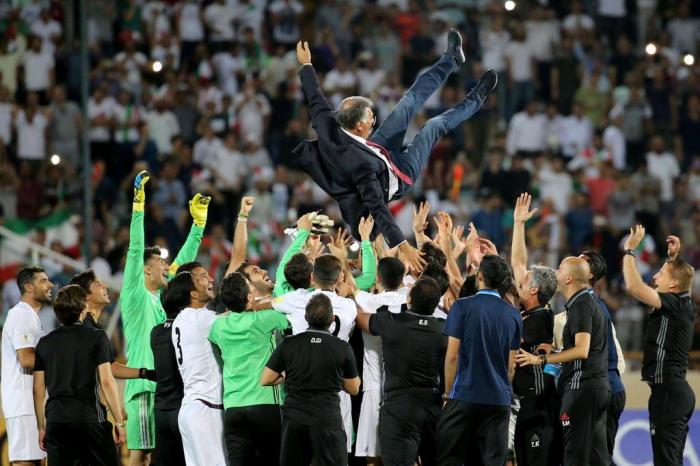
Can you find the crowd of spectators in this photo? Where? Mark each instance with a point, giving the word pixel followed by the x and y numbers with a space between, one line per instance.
pixel 597 113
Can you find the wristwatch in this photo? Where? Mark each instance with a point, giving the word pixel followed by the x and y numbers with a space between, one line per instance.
pixel 630 252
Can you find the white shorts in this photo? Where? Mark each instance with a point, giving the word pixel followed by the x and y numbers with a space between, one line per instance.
pixel 23 438
pixel 346 413
pixel 368 425
pixel 202 430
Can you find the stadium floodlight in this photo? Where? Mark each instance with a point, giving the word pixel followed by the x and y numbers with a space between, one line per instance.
pixel 650 49
pixel 509 5
pixel 55 159
pixel 157 66
pixel 688 59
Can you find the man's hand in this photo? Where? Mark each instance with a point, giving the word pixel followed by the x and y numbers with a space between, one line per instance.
pixel 474 252
pixel 303 53
pixel 365 227
pixel 674 246
pixel 339 246
pixel 411 256
pixel 199 206
pixel 140 189
pixel 119 435
pixel 522 212
pixel 635 238
pixel 304 222
pixel 246 206
pixel 42 436
pixel 523 358
pixel 420 217
pixel 345 289
pixel 313 247
pixel 487 247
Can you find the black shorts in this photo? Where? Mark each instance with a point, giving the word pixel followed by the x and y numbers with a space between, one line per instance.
pixel 68 443
pixel 583 417
pixel 408 428
pixel 252 435
pixel 168 438
pixel 473 434
pixel 302 443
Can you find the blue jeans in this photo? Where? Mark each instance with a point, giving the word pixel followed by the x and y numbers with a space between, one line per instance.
pixel 391 132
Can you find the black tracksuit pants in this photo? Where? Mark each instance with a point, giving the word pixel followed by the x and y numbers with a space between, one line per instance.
pixel 169 450
pixel 68 443
pixel 670 406
pixel 252 435
pixel 538 431
pixel 615 408
pixel 583 418
pixel 301 443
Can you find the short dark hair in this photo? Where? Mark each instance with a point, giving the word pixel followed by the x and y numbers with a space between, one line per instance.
pixel 390 272
pixel 495 272
pixel 352 111
pixel 69 304
pixel 327 269
pixel 177 295
pixel 151 251
pixel 437 272
pixel 431 251
pixel 597 264
pixel 26 275
pixel 298 271
pixel 319 311
pixel 234 292
pixel 84 280
pixel 189 266
pixel 425 296
pixel 241 269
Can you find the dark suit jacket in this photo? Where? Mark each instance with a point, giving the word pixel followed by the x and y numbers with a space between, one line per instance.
pixel 346 169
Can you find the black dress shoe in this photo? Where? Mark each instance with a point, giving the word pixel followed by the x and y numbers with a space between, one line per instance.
pixel 454 46
pixel 486 85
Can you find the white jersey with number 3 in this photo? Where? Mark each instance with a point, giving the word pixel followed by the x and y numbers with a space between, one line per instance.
pixel 199 368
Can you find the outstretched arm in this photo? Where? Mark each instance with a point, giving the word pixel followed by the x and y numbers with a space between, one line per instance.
pixel 633 280
pixel 133 271
pixel 518 255
pixel 369 262
pixel 321 112
pixel 199 206
pixel 240 236
pixel 281 284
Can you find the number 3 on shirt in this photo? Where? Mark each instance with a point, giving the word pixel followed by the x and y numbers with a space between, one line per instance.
pixel 179 348
pixel 336 320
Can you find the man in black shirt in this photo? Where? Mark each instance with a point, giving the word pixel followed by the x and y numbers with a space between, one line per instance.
pixel 413 348
pixel 667 342
pixel 169 393
pixel 536 430
pixel 584 375
pixel 68 362
pixel 314 365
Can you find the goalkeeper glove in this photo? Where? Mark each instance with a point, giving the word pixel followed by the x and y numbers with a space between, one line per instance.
pixel 140 190
pixel 198 209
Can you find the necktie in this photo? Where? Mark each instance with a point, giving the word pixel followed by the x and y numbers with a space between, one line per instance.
pixel 401 175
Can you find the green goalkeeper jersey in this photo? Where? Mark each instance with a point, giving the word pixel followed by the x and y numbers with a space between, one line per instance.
pixel 142 310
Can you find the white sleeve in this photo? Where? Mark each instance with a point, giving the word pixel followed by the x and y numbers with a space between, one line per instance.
pixel 205 319
pixel 620 356
pixel 281 304
pixel 364 300
pixel 26 332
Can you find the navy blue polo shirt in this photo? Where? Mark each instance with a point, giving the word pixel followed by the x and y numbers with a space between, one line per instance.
pixel 616 385
pixel 488 328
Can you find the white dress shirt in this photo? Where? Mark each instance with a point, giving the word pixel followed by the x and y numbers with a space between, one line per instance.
pixel 393 179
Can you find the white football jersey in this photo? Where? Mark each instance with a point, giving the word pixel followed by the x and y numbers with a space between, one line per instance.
pixel 22 329
pixel 294 306
pixel 199 367
pixel 372 361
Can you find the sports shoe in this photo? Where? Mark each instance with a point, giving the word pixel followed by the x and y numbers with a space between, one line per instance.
pixel 486 85
pixel 454 46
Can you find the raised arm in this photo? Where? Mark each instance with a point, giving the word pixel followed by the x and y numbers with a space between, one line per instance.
pixel 369 261
pixel 297 246
pixel 133 271
pixel 199 206
pixel 518 254
pixel 420 223
pixel 240 236
pixel 633 280
pixel 321 112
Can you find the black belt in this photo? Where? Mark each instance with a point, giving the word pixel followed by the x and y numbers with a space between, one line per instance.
pixel 211 405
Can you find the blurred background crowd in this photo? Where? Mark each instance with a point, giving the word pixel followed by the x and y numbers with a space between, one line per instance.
pixel 597 113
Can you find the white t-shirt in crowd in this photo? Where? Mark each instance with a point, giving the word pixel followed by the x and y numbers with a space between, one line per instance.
pixel 5 122
pixel 226 66
pixel 191 27
pixel 37 69
pixel 47 32
pixel 251 116
pixel 370 81
pixel 132 63
pixel 576 135
pixel 494 45
pixel 162 126
pixel 520 56
pixel 613 8
pixel 372 363
pixel 200 371
pixel 105 108
pixel 557 187
pixel 685 34
pixel 126 114
pixel 230 168
pixel 614 140
pixel 573 22
pixel 219 18
pixel 526 132
pixel 294 306
pixel 542 37
pixel 22 330
pixel 204 150
pixel 31 141
pixel 287 28
pixel 664 167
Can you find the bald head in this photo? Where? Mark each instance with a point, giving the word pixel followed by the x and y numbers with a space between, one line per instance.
pixel 573 272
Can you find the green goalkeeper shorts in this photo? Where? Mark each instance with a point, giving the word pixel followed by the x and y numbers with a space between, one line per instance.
pixel 141 422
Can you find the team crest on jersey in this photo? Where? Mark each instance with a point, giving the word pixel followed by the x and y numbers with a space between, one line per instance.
pixel 565 421
pixel 535 441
